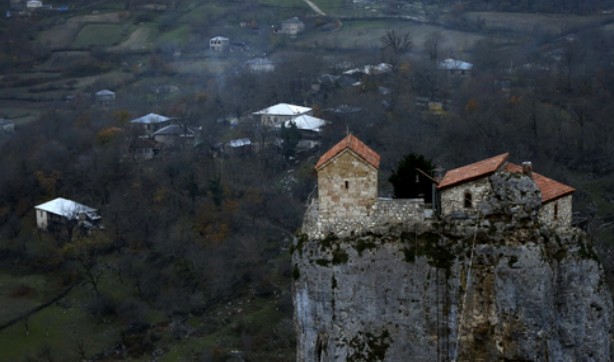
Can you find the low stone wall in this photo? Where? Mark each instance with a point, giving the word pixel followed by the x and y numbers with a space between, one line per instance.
pixel 384 211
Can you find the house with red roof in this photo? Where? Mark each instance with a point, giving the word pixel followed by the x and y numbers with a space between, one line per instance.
pixel 462 189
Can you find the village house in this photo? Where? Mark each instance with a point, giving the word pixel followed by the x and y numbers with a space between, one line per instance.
pixel 7 126
pixel 278 114
pixel 145 148
pixel 292 26
pixel 462 189
pixel 61 211
pixel 219 44
pixel 105 97
pixel 34 4
pixel 174 135
pixel 150 123
pixel 455 67
pixel 260 65
pixel 309 128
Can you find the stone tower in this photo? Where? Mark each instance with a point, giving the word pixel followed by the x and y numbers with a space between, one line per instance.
pixel 347 180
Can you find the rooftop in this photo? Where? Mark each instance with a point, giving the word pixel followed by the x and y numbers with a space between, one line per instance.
pixel 174 130
pixel 283 109
pixel 455 64
pixel 66 208
pixel 355 145
pixel 472 171
pixel 550 189
pixel 151 118
pixel 307 122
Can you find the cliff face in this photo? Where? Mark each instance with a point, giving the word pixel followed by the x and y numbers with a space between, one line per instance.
pixel 464 290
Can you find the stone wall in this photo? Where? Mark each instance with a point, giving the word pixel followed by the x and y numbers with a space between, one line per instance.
pixel 453 198
pixel 562 216
pixel 347 188
pixel 385 211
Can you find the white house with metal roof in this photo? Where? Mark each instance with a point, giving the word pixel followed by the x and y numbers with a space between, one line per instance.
pixel 260 65
pixel 61 210
pixel 456 67
pixel 275 116
pixel 105 97
pixel 151 122
pixel 306 122
pixel 219 44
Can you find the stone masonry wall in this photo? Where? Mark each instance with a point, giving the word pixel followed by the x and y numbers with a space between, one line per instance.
pixel 563 215
pixel 347 188
pixel 452 199
pixel 383 212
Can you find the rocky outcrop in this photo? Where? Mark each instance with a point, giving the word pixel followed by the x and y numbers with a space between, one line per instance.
pixel 489 289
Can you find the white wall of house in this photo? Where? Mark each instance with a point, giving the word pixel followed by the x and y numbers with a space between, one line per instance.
pixel 41 219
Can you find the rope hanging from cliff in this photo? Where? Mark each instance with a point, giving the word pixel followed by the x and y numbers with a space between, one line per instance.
pixel 467 282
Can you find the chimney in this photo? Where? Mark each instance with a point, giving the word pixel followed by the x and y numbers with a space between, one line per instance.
pixel 527 168
pixel 438 173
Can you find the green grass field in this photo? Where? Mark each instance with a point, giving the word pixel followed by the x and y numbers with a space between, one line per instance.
pixel 98 35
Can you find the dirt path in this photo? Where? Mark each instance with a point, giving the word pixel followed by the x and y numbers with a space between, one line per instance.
pixel 314 7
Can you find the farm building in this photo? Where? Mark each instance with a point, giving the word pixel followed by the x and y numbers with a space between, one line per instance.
pixel 150 123
pixel 278 114
pixel 105 97
pixel 60 211
pixel 456 67
pixel 260 65
pixel 219 44
pixel 292 26
pixel 7 126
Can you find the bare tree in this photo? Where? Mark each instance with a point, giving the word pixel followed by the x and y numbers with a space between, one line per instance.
pixel 432 45
pixel 397 43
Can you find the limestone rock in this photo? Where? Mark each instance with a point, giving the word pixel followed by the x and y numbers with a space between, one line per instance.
pixel 467 291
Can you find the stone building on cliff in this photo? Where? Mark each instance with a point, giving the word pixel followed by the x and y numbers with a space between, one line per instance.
pixel 462 189
pixel 348 193
pixel 348 199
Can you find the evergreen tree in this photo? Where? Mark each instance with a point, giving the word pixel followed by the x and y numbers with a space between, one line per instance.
pixel 408 182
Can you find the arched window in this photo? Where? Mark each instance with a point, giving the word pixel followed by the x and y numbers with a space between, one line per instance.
pixel 468 200
pixel 347 185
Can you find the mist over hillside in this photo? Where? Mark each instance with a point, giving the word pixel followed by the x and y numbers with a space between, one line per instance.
pixel 198 208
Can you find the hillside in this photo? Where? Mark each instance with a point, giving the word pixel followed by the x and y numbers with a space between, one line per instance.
pixel 193 262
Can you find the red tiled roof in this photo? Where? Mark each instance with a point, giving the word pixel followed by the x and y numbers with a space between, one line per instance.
pixel 472 171
pixel 549 188
pixel 354 144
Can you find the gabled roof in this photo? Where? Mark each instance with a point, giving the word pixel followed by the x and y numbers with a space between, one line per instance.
pixel 307 122
pixel 151 118
pixel 66 208
pixel 174 130
pixel 355 145
pixel 239 142
pixel 455 64
pixel 292 20
pixel 473 171
pixel 220 38
pixel 284 109
pixel 105 92
pixel 550 189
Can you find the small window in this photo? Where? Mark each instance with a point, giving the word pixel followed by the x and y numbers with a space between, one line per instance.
pixel 556 211
pixel 347 185
pixel 468 200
